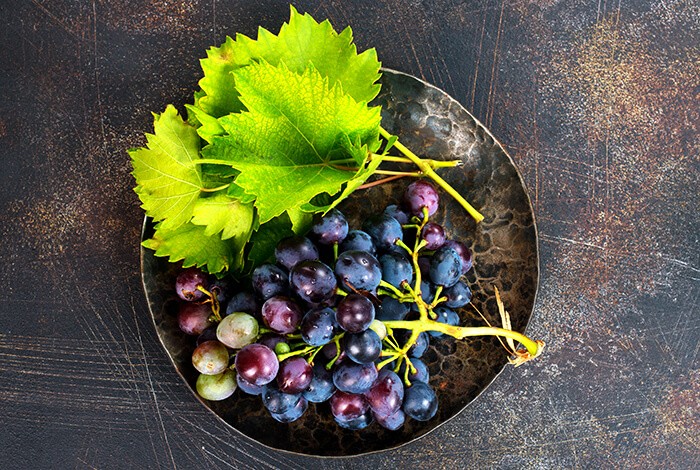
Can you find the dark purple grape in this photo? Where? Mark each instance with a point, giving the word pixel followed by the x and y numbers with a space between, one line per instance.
pixel 384 230
pixel 295 375
pixel 396 268
pixel 188 281
pixel 391 422
pixel 247 387
pixel 357 240
pixel 445 267
pixel 210 358
pixel 465 254
pixel 422 374
pixel 321 387
pixel 220 288
pixel 420 402
pixel 216 387
pixel 458 295
pixel 207 335
pixel 434 236
pixel 194 318
pixel 354 313
pixel 293 413
pixel 356 424
pixel 386 394
pixel 424 265
pixel 358 269
pixel 347 406
pixel 276 401
pixel 362 348
pixel 391 309
pixel 257 364
pixel 270 280
pixel 354 378
pixel 427 291
pixel 420 346
pixel 313 281
pixel 237 330
pixel 396 212
pixel 330 228
pixel 293 250
pixel 329 352
pixel 420 194
pixel 243 302
pixel 271 340
pixel 281 314
pixel 317 326
pixel 444 315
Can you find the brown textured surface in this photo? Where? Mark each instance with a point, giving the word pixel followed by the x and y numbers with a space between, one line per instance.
pixel 505 253
pixel 596 101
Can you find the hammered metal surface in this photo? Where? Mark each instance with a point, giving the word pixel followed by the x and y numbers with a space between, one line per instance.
pixel 436 126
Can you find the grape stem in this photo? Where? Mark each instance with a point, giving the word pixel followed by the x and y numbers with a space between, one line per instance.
pixel 430 172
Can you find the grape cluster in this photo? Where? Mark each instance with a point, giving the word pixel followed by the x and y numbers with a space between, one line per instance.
pixel 343 316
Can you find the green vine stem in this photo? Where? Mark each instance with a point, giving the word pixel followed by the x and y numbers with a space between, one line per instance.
pixel 429 172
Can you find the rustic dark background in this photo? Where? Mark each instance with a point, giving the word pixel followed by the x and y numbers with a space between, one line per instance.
pixel 598 103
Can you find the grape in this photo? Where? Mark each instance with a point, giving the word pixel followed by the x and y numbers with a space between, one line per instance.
pixel 420 346
pixel 220 288
pixel 331 228
pixel 434 236
pixel 379 328
pixel 399 214
pixel 207 335
pixel 281 314
pixel 420 194
pixel 427 291
pixel 445 267
pixel 313 281
pixel 188 281
pixel 237 330
pixel 276 401
pixel 392 309
pixel 384 230
pixel 216 387
pixel 210 358
pixel 247 387
pixel 354 313
pixel 391 422
pixel 420 402
pixel 396 268
pixel 293 413
pixel 257 364
pixel 292 250
pixel 444 315
pixel 321 387
pixel 347 406
pixel 364 347
pixel 458 295
pixel 386 394
pixel 424 265
pixel 270 280
pixel 317 326
pixel 193 318
pixel 422 374
pixel 359 269
pixel 294 375
pixel 356 424
pixel 357 240
pixel 354 378
pixel 271 340
pixel 464 253
pixel 243 302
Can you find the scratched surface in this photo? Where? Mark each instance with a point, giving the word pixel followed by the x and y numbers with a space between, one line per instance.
pixel 597 102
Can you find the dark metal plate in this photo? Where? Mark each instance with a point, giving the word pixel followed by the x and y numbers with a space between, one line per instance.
pixel 433 125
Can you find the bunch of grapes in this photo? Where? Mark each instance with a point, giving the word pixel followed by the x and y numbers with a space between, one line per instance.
pixel 343 316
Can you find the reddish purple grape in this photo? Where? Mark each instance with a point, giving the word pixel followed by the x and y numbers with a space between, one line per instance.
pixel 294 375
pixel 193 318
pixel 257 364
pixel 391 422
pixel 386 394
pixel 465 254
pixel 420 194
pixel 346 406
pixel 281 314
pixel 188 281
pixel 434 236
pixel 355 313
pixel 330 228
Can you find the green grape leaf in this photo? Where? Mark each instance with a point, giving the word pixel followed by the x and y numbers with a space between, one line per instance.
pixel 265 238
pixel 301 221
pixel 194 247
pixel 300 42
pixel 167 181
pixel 208 126
pixel 221 214
pixel 317 132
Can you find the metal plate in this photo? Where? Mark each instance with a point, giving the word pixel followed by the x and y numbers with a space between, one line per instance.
pixel 433 125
